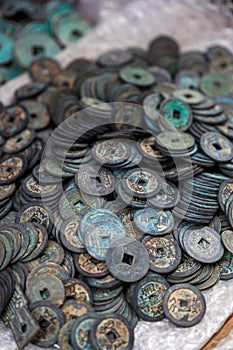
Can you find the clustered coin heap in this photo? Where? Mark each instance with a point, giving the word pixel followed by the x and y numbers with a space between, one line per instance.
pixel 128 215
pixel 32 29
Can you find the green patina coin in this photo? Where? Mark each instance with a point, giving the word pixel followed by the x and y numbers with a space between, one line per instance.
pixel 177 113
pixel 216 84
pixel 137 76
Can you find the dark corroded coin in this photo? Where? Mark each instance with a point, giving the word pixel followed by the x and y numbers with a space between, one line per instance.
pixel 154 221
pixel 227 239
pixel 6 191
pixel 177 113
pixel 64 340
pixel 36 213
pixel 80 333
pixel 187 267
pixel 95 181
pixel 164 253
pixel 127 259
pixel 13 119
pixel 44 69
pixel 184 305
pixel 141 183
pixel 225 191
pixel 111 152
pixel 217 146
pixel 78 290
pixel 168 196
pixel 112 332
pixel 73 309
pixel 50 320
pixel 226 266
pixel 46 287
pixel 69 234
pixel 17 143
pixel 148 297
pixel 89 266
pixel 11 169
pixel 203 244
pixel 115 58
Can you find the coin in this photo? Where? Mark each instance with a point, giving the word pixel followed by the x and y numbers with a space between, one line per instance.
pixel 203 244
pixel 89 266
pixel 64 336
pixel 11 169
pixel 184 305
pixel 154 221
pixel 46 287
pixel 141 183
pixel 78 290
pixel 226 266
pixel 164 253
pixel 127 259
pixel 227 239
pixel 217 146
pixel 111 331
pixel 80 333
pixel 177 113
pixel 50 319
pixel 148 297
pixel 73 309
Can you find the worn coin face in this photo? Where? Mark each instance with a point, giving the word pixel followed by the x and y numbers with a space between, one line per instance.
pixel 95 181
pixel 216 84
pixel 44 69
pixel 50 320
pixel 177 113
pixel 175 141
pixel 217 146
pixel 89 266
pixel 111 152
pixel 111 332
pixel 203 244
pixel 64 340
pixel 168 196
pixel 226 266
pixel 13 119
pixel 141 183
pixel 80 333
pixel 154 221
pixel 46 288
pixel 73 309
pixel 148 297
pixel 137 76
pixel 78 290
pixel 127 259
pixel 11 169
pixel 69 234
pixel 99 237
pixel 184 305
pixel 227 239
pixel 35 213
pixel 164 253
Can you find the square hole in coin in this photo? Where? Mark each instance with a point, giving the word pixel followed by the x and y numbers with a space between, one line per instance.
pixel 112 336
pixel 184 305
pixel 203 243
pixel 127 259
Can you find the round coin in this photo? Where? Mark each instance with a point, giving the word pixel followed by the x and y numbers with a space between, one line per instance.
pixel 154 221
pixel 217 146
pixel 184 305
pixel 227 239
pixel 164 253
pixel 127 259
pixel 111 332
pixel 203 244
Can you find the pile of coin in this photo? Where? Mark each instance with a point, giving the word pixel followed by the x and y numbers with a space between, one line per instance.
pixel 124 212
pixel 32 29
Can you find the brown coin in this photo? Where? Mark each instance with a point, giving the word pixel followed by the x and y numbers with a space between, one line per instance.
pixel 19 142
pixel 73 309
pixel 44 69
pixel 36 213
pixel 11 169
pixel 78 290
pixel 89 266
pixel 13 119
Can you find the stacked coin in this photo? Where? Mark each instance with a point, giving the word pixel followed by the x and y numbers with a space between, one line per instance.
pixel 127 216
pixel 31 29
